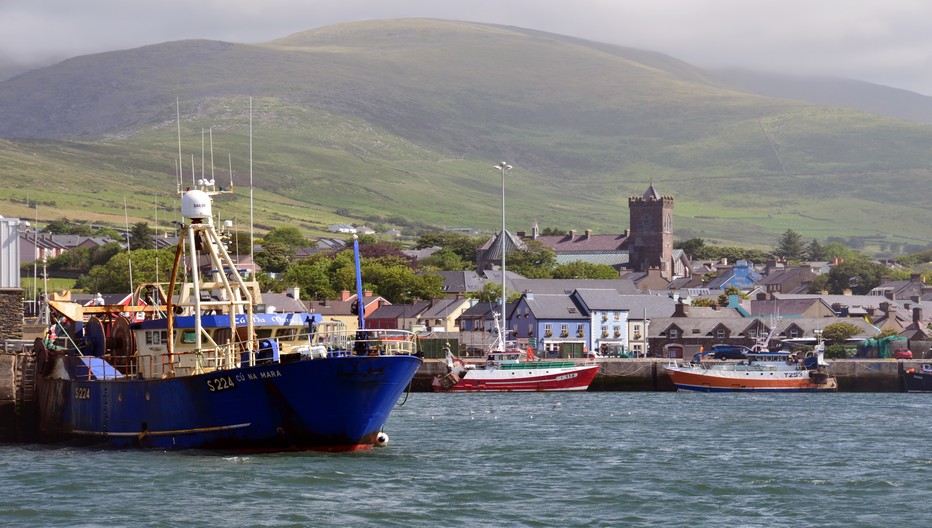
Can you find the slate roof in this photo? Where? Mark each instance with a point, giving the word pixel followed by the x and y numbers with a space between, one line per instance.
pixel 583 243
pixel 568 286
pixel 555 307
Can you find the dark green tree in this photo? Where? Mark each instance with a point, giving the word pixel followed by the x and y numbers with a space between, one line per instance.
pixel 790 246
pixel 141 236
pixel 815 251
pixel 274 257
pixel 287 235
pixel 584 270
pixel 692 247
pixel 537 261
pixel 840 332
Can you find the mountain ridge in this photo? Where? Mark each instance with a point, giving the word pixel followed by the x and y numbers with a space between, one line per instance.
pixel 400 118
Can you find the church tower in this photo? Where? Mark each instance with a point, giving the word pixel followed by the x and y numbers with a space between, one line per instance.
pixel 650 244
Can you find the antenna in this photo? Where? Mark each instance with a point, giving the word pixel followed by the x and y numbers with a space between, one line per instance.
pixel 129 252
pixel 180 162
pixel 210 131
pixel 252 237
pixel 230 156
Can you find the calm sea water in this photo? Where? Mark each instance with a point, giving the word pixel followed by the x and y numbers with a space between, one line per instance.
pixel 589 459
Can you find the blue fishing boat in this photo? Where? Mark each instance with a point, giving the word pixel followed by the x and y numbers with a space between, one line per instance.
pixel 196 368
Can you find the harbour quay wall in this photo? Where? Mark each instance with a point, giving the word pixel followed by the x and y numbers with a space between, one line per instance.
pixel 648 374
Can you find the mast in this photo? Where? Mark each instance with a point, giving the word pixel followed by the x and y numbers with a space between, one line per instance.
pixel 503 167
pixel 360 303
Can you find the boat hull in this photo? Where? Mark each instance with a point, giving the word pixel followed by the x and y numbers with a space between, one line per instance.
pixel 705 380
pixel 525 380
pixel 918 381
pixel 333 404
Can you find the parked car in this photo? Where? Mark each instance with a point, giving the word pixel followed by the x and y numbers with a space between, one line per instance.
pixel 903 354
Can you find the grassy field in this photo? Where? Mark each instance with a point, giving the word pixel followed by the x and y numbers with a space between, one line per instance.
pixel 400 122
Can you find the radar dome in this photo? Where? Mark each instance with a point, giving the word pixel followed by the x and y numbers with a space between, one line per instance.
pixel 196 205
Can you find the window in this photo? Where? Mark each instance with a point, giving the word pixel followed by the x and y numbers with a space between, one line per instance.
pixel 617 316
pixel 580 330
pixel 188 336
pixel 548 331
pixel 720 333
pixel 674 333
pixel 794 332
pixel 563 330
pixel 637 329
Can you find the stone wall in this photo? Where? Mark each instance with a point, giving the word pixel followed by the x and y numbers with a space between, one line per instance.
pixel 11 313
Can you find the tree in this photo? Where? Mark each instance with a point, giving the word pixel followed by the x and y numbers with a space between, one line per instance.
pixel 149 265
pixel 288 236
pixel 446 259
pixel 859 276
pixel 584 270
pixel 840 332
pixel 312 276
pixel 274 257
pixel 141 236
pixel 790 246
pixel 492 292
pixel 815 251
pixel 535 262
pixel 691 247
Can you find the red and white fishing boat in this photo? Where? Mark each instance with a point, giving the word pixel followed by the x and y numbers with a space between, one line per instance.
pixel 510 369
pixel 514 370
pixel 759 370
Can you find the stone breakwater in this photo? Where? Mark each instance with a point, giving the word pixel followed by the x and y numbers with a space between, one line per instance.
pixel 853 375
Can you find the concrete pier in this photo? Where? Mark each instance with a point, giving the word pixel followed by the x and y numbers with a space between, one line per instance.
pixel 853 375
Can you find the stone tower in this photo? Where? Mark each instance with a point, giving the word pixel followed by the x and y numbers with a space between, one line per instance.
pixel 650 244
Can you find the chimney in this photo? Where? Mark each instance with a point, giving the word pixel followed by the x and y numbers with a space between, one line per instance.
pixel 885 307
pixel 917 315
pixel 529 295
pixel 344 295
pixel 627 232
pixel 847 292
pixel 367 293
pixel 681 310
pixel 588 233
pixel 572 233
pixel 296 293
pixel 915 277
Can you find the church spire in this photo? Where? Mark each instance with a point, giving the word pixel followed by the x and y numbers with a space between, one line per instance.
pixel 651 193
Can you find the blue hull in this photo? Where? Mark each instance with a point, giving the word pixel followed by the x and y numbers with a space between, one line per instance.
pixel 337 403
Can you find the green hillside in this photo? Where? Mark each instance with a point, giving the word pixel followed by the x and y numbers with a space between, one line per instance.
pixel 401 121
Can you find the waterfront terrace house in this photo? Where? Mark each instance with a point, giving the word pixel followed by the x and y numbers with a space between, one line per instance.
pixel 903 289
pixel 608 321
pixel 33 247
pixel 642 310
pixel 342 309
pixel 788 280
pixel 477 327
pixel 800 307
pixel 555 325
pixel 397 316
pixel 708 327
pixel 442 314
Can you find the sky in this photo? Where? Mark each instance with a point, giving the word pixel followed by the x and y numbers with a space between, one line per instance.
pixel 886 42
